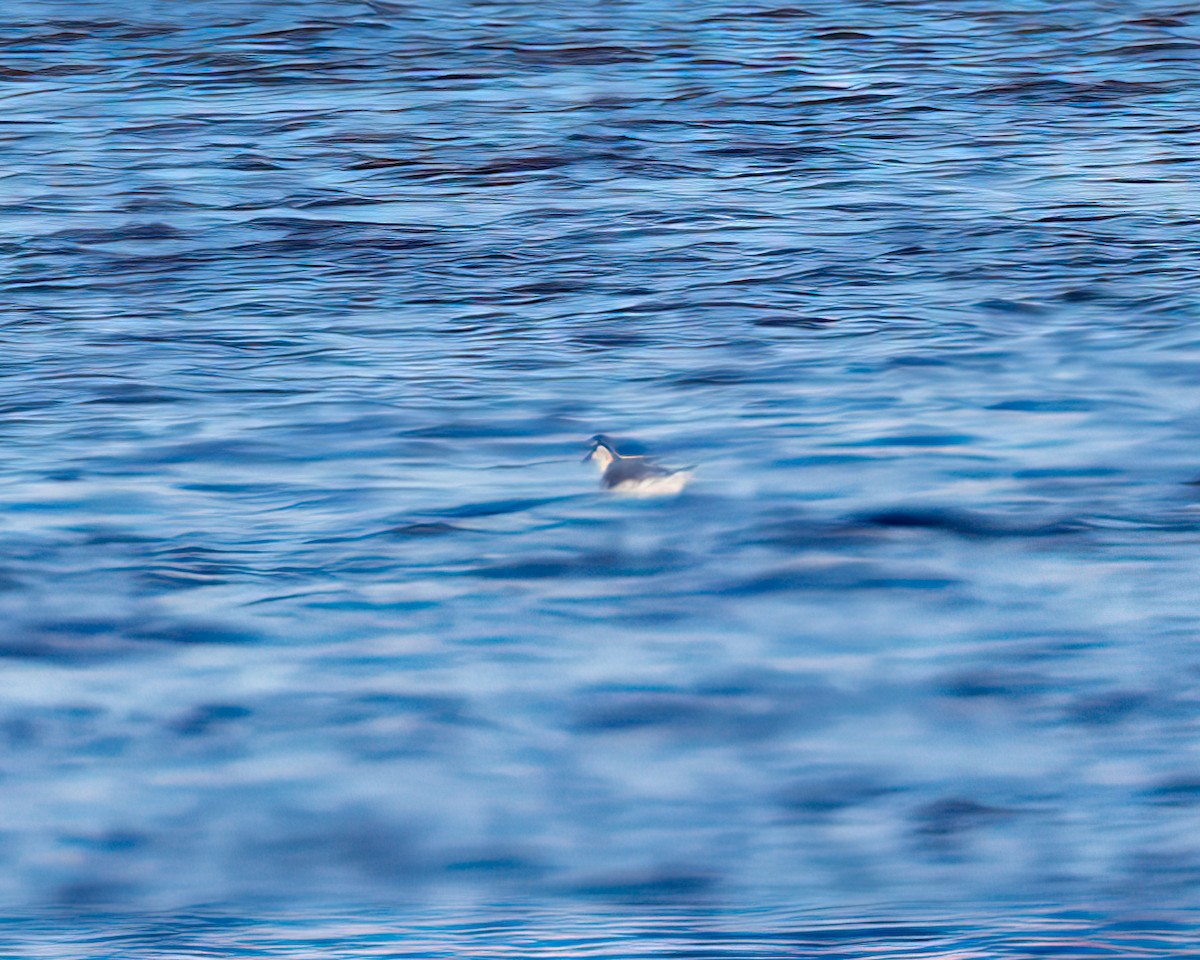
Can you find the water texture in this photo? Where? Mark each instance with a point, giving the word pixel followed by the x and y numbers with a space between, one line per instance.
pixel 309 308
pixel 682 934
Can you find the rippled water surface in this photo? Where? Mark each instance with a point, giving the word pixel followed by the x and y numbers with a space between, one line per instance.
pixel 305 597
pixel 687 935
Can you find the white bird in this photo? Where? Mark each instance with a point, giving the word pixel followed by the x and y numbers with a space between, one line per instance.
pixel 633 475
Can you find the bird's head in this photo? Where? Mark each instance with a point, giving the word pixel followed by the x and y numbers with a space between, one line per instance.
pixel 602 452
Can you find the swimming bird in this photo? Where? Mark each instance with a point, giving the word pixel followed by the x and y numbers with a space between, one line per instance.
pixel 633 475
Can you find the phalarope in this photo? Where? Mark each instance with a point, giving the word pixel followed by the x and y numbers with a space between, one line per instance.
pixel 633 475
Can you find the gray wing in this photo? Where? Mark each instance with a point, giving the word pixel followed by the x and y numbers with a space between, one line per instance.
pixel 632 470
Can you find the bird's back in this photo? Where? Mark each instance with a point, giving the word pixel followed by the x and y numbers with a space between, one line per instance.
pixel 632 470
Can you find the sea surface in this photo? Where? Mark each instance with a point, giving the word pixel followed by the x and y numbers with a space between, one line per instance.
pixel 317 639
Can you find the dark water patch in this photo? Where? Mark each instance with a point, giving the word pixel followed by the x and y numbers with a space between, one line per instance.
pixel 668 885
pixel 849 576
pixel 1064 91
pixel 789 534
pixel 251 161
pixel 965 523
pixel 1046 405
pixel 493 864
pixel 202 720
pixel 67 641
pixel 800 322
pixel 1066 472
pixel 752 709
pixel 434 529
pixel 365 707
pixel 1000 682
pixel 919 440
pixel 1000 305
pixel 133 394
pixel 346 238
pixel 496 508
pixel 1158 21
pixel 112 841
pixel 551 287
pixel 767 13
pixel 1174 49
pixel 1178 791
pixel 135 231
pixel 1109 707
pixel 775 152
pixel 818 797
pixel 12 580
pixel 590 55
pixel 711 378
pixel 610 340
pixel 945 823
pixel 347 845
pixel 523 164
pixel 95 894
pixel 191 632
pixel 825 459
pixel 609 564
pixel 226 450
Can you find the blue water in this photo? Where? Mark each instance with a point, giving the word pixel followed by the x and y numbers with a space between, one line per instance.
pixel 319 640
